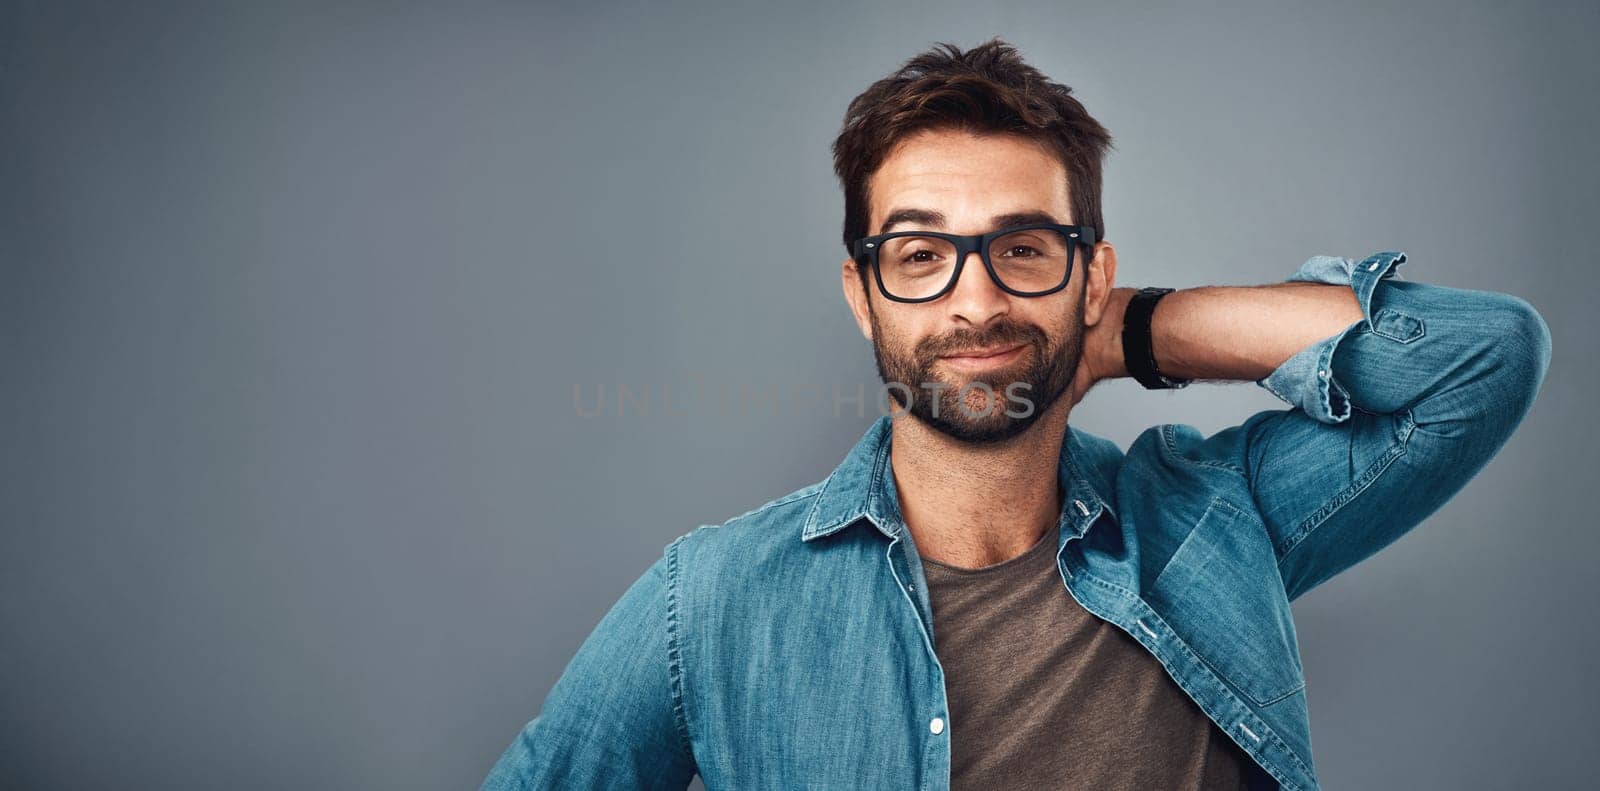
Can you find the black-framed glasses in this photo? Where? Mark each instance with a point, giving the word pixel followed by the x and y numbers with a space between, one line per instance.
pixel 1024 260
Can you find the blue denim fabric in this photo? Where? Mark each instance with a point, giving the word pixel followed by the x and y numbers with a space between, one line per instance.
pixel 791 647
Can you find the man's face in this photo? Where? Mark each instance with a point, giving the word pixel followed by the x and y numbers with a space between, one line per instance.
pixel 924 350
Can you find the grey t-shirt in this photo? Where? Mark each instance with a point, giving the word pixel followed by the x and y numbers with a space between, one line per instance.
pixel 1044 694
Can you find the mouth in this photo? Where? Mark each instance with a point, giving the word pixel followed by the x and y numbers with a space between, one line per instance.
pixel 983 358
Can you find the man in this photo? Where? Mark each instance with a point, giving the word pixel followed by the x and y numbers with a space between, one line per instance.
pixel 983 596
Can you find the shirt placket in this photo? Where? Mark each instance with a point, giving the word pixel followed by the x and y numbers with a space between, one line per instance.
pixel 928 719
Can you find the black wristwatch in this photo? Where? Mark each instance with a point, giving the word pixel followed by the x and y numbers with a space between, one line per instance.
pixel 1137 353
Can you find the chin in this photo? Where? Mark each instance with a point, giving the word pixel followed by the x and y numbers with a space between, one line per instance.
pixel 980 429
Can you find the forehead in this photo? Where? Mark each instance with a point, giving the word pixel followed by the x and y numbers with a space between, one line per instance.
pixel 969 178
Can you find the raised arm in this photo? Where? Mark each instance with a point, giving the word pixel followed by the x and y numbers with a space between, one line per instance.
pixel 610 721
pixel 1400 391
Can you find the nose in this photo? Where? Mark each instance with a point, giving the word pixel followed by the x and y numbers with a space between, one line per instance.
pixel 976 297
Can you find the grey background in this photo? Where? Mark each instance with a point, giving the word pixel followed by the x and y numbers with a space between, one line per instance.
pixel 294 491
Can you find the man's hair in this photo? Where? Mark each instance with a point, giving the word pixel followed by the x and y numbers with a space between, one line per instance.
pixel 986 89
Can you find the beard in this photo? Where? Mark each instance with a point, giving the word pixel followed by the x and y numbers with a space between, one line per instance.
pixel 999 403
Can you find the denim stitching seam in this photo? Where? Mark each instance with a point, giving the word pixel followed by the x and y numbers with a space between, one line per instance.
pixel 1272 735
pixel 1242 514
pixel 674 656
pixel 1168 439
pixel 1338 501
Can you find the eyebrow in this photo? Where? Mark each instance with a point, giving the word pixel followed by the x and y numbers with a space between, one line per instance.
pixel 935 219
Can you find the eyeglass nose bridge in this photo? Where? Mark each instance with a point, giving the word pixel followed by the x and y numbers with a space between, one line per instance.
pixel 965 247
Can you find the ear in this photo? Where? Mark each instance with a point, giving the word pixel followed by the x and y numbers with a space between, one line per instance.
pixel 1100 276
pixel 855 294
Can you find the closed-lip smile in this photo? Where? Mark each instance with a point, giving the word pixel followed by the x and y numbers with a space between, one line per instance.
pixel 972 360
pixel 978 354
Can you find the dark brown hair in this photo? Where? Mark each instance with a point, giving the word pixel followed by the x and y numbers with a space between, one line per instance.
pixel 986 89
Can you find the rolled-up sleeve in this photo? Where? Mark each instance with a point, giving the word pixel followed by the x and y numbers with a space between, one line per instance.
pixel 1391 416
pixel 1307 379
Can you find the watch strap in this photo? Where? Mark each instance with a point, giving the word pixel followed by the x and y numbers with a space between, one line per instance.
pixel 1138 353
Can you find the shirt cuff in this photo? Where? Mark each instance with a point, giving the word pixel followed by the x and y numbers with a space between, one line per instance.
pixel 1306 380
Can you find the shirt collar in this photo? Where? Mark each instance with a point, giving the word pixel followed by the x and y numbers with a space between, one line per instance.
pixel 862 487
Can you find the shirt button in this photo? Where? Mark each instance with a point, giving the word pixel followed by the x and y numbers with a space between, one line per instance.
pixel 1082 509
pixel 937 725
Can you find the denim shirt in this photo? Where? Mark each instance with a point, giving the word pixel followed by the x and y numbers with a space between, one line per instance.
pixel 792 646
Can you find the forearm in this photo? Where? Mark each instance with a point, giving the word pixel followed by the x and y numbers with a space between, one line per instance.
pixel 1230 332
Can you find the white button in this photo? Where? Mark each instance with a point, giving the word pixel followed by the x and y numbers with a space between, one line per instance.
pixel 1372 266
pixel 1323 374
pixel 1082 509
pixel 937 726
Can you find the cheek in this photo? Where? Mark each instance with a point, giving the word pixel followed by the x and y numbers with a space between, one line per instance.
pixel 900 334
pixel 1059 329
pixel 1068 318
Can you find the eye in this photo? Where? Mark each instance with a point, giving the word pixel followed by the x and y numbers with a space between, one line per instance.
pixel 1027 252
pixel 919 257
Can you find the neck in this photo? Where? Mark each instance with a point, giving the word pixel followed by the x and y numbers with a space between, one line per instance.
pixel 972 506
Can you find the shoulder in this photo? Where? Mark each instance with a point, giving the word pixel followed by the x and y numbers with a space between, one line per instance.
pixel 1096 457
pixel 773 525
pixel 1182 445
pixel 1171 459
pixel 738 571
pixel 1178 470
